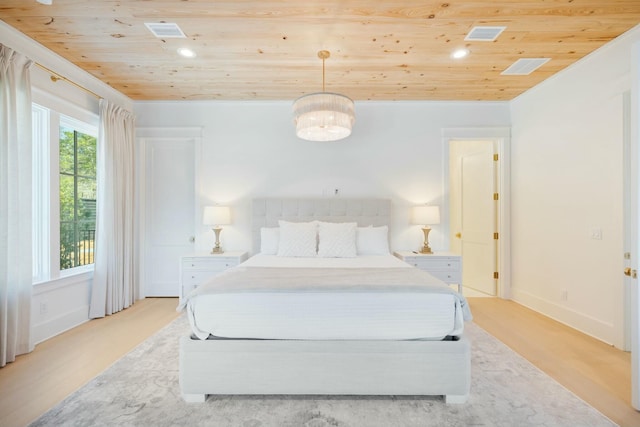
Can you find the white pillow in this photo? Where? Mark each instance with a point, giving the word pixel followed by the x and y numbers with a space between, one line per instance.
pixel 337 239
pixel 297 239
pixel 372 240
pixel 269 237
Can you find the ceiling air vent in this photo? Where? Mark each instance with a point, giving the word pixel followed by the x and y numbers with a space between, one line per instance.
pixel 524 66
pixel 165 30
pixel 484 34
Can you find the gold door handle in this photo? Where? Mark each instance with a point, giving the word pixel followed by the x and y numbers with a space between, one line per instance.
pixel 459 235
pixel 627 271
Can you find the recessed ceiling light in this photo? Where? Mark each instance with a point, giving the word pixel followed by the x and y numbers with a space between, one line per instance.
pixel 186 52
pixel 460 53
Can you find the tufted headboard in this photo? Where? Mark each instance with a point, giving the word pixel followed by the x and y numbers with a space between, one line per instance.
pixel 267 212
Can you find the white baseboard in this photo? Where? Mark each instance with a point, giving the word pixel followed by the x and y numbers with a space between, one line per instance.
pixel 596 328
pixel 60 324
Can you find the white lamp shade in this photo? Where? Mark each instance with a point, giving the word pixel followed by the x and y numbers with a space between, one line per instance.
pixel 216 215
pixel 323 116
pixel 426 215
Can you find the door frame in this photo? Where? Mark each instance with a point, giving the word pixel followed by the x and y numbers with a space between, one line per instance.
pixel 501 136
pixel 630 224
pixel 158 133
pixel 632 150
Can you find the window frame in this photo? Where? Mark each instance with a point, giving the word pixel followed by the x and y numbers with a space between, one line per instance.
pixel 49 113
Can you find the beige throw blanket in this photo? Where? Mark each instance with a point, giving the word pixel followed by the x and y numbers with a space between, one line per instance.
pixel 272 279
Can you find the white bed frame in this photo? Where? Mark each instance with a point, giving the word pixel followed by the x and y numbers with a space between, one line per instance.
pixel 332 367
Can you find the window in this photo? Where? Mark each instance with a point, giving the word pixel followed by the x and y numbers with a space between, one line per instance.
pixel 77 166
pixel 64 193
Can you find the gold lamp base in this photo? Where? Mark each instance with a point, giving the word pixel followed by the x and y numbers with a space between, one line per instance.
pixel 426 249
pixel 217 249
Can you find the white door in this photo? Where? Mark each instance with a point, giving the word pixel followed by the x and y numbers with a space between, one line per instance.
pixel 473 212
pixel 169 212
pixel 631 256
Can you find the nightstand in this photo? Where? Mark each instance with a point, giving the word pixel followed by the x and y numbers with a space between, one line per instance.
pixel 196 268
pixel 445 266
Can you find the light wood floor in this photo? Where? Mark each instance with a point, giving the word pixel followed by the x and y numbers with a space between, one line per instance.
pixel 37 381
pixel 596 372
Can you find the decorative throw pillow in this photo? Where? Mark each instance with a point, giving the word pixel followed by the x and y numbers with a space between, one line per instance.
pixel 337 240
pixel 269 237
pixel 297 239
pixel 372 240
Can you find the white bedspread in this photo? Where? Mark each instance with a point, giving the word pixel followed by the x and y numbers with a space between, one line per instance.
pixel 377 297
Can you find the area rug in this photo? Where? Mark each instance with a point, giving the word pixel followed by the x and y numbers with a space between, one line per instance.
pixel 142 389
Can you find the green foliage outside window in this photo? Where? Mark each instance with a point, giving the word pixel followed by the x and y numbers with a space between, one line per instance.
pixel 77 198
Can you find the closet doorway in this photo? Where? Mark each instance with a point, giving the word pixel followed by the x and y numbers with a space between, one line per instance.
pixel 473 214
pixel 477 189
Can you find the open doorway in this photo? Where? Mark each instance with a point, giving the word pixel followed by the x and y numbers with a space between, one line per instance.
pixel 477 185
pixel 473 200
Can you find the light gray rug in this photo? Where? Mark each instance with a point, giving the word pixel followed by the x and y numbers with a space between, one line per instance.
pixel 141 389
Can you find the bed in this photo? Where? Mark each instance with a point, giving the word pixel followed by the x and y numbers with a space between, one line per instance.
pixel 323 308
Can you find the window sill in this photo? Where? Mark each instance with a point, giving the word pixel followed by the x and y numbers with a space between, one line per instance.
pixel 67 278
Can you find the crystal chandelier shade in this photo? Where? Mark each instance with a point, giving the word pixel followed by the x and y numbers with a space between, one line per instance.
pixel 323 116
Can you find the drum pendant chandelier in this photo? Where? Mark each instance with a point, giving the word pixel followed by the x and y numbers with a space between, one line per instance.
pixel 323 116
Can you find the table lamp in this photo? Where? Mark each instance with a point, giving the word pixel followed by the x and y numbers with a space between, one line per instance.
pixel 216 216
pixel 426 215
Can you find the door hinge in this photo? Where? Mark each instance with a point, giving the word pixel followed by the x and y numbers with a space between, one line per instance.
pixel 496 236
pixel 495 157
pixel 627 255
pixel 495 275
pixel 495 196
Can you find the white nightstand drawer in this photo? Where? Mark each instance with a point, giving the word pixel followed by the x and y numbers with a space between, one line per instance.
pixel 195 278
pixel 447 276
pixel 435 264
pixel 210 264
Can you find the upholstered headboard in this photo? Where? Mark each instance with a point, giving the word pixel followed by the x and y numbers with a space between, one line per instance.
pixel 267 212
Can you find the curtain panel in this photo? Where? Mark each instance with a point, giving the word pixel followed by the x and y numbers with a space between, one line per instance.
pixel 15 205
pixel 115 286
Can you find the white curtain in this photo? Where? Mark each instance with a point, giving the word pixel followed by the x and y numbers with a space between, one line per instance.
pixel 15 205
pixel 114 279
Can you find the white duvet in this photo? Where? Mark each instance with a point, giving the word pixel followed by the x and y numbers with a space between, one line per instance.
pixel 362 298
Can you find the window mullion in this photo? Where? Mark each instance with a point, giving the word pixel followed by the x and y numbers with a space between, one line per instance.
pixel 76 230
pixel 54 192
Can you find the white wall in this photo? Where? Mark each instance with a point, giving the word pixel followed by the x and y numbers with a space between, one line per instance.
pixel 567 146
pixel 250 150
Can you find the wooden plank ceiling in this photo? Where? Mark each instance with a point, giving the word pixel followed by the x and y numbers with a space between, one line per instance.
pixel 267 49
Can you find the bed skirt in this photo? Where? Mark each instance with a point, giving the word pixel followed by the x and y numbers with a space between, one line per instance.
pixel 268 367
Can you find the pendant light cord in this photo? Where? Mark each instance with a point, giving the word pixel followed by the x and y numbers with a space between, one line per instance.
pixel 323 74
pixel 323 54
